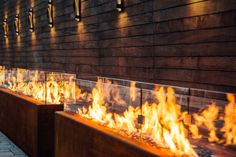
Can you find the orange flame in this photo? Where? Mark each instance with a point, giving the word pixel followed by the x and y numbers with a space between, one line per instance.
pixel 133 91
pixel 229 127
pixel 163 124
pixel 97 111
pixel 207 118
pixel 2 75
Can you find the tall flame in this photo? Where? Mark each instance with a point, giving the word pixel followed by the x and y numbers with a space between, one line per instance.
pixel 164 125
pixel 133 91
pixel 207 119
pixel 2 75
pixel 98 111
pixel 229 127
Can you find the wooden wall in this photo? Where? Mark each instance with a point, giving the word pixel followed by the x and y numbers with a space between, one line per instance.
pixel 189 43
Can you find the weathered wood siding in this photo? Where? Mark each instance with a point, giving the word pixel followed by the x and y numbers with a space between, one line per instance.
pixel 189 43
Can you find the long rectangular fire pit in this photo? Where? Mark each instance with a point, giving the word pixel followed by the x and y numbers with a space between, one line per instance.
pixel 79 137
pixel 28 122
pixel 114 120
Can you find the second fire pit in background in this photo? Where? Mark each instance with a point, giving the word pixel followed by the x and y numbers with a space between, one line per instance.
pixel 29 99
pixel 28 123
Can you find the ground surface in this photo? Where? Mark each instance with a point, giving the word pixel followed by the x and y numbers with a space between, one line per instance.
pixel 8 148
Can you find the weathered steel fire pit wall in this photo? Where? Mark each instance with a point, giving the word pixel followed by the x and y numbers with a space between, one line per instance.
pixel 28 122
pixel 78 137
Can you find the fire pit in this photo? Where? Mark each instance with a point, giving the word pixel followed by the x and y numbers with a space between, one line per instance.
pixel 159 119
pixel 29 99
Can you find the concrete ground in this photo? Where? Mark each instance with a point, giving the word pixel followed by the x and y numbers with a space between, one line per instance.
pixel 8 148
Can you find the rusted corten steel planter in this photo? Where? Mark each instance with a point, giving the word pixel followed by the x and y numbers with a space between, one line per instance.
pixel 78 137
pixel 28 122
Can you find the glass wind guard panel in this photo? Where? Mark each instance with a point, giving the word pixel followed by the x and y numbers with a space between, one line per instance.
pixel 60 88
pixel 34 84
pixel 10 79
pixel 27 82
pixel 47 87
pixel 2 76
pixel 109 105
pixel 212 116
